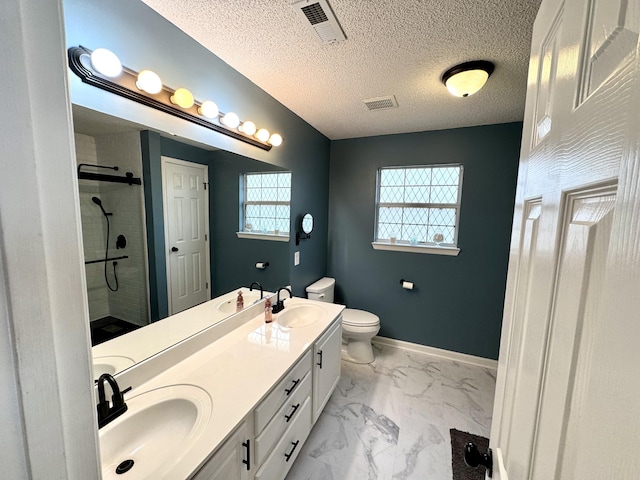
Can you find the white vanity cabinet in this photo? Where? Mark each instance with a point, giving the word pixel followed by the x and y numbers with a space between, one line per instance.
pixel 232 461
pixel 272 434
pixel 326 366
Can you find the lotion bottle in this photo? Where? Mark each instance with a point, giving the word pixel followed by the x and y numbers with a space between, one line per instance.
pixel 239 302
pixel 268 316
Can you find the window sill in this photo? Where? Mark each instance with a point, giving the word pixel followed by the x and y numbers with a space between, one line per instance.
pixel 401 247
pixel 263 236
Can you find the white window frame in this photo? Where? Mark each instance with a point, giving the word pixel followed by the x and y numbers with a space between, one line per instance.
pixel 421 247
pixel 261 235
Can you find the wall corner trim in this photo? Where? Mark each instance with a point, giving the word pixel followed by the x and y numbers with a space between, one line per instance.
pixel 437 352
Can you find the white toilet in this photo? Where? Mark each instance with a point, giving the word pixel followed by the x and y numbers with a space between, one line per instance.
pixel 358 326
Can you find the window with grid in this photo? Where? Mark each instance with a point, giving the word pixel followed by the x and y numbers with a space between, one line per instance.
pixel 266 205
pixel 419 205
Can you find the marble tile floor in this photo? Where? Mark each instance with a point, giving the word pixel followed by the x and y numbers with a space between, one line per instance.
pixel 390 420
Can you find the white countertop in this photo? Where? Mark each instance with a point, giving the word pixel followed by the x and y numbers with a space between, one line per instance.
pixel 140 344
pixel 237 371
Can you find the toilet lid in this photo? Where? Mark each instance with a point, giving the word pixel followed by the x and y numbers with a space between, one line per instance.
pixel 359 318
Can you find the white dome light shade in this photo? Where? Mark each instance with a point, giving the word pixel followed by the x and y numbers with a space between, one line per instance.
pixel 275 140
pixel 230 120
pixel 208 109
pixel 248 128
pixel 149 82
pixel 183 98
pixel 262 134
pixel 106 63
pixel 467 78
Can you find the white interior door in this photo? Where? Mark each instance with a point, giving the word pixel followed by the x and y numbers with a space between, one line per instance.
pixel 568 392
pixel 186 215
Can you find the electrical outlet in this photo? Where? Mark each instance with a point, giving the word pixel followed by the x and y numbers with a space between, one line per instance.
pixel 296 259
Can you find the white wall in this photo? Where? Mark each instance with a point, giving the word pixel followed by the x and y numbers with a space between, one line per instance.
pixel 49 429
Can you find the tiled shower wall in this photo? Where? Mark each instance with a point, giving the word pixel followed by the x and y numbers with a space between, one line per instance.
pixel 130 302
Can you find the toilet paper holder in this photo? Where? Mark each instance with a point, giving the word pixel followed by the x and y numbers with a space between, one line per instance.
pixel 406 284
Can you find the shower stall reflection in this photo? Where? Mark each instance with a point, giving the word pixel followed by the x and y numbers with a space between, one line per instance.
pixel 113 232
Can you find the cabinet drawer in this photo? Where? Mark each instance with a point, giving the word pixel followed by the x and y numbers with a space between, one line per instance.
pixel 282 419
pixel 276 398
pixel 286 451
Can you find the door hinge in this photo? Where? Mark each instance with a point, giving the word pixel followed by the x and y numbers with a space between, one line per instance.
pixel 206 285
pixel 206 237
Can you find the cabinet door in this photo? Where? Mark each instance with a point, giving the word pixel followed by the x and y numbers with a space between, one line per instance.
pixel 232 461
pixel 326 368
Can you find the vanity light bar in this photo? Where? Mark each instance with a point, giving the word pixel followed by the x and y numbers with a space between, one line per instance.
pixel 146 88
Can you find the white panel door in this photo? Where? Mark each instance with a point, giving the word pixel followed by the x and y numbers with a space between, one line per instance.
pixel 567 400
pixel 186 217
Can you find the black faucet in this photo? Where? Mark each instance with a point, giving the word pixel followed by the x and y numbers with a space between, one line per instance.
pixel 108 413
pixel 279 305
pixel 259 286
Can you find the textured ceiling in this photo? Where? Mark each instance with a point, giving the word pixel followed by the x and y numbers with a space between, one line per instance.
pixel 393 47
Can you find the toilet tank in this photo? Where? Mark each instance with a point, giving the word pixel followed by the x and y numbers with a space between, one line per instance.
pixel 322 290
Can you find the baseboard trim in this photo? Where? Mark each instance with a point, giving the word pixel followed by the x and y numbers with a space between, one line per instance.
pixel 437 352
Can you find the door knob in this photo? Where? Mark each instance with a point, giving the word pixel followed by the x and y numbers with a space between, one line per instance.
pixel 474 458
pixel 174 249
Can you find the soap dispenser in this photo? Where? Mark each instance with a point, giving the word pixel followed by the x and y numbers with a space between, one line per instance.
pixel 268 315
pixel 239 302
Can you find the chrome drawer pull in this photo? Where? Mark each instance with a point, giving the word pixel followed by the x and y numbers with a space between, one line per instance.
pixel 295 384
pixel 290 416
pixel 295 445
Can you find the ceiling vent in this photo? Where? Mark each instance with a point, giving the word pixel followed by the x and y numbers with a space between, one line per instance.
pixel 381 103
pixel 319 17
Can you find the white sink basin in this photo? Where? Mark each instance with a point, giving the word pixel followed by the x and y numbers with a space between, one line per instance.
pixel 110 364
pixel 159 427
pixel 296 316
pixel 229 306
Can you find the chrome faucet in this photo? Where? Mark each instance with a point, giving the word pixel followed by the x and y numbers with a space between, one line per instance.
pixel 259 286
pixel 108 413
pixel 279 305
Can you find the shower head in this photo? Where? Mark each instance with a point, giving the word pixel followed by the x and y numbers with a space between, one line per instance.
pixel 98 202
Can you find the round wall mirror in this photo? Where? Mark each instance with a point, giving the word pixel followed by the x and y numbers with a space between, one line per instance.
pixel 307 223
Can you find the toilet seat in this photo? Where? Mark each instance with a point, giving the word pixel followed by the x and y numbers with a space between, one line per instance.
pixel 359 318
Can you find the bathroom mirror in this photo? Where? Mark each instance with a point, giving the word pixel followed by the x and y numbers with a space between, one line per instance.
pixel 307 223
pixel 305 227
pixel 129 299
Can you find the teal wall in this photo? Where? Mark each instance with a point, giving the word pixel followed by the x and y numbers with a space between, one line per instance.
pixel 457 303
pixel 232 259
pixel 235 258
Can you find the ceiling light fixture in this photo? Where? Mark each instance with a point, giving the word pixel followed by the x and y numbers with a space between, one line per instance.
pixel 467 78
pixel 101 68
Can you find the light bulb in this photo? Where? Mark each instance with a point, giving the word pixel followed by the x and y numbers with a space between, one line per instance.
pixel 106 63
pixel 230 120
pixel 149 82
pixel 182 97
pixel 248 128
pixel 275 140
pixel 262 134
pixel 208 109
